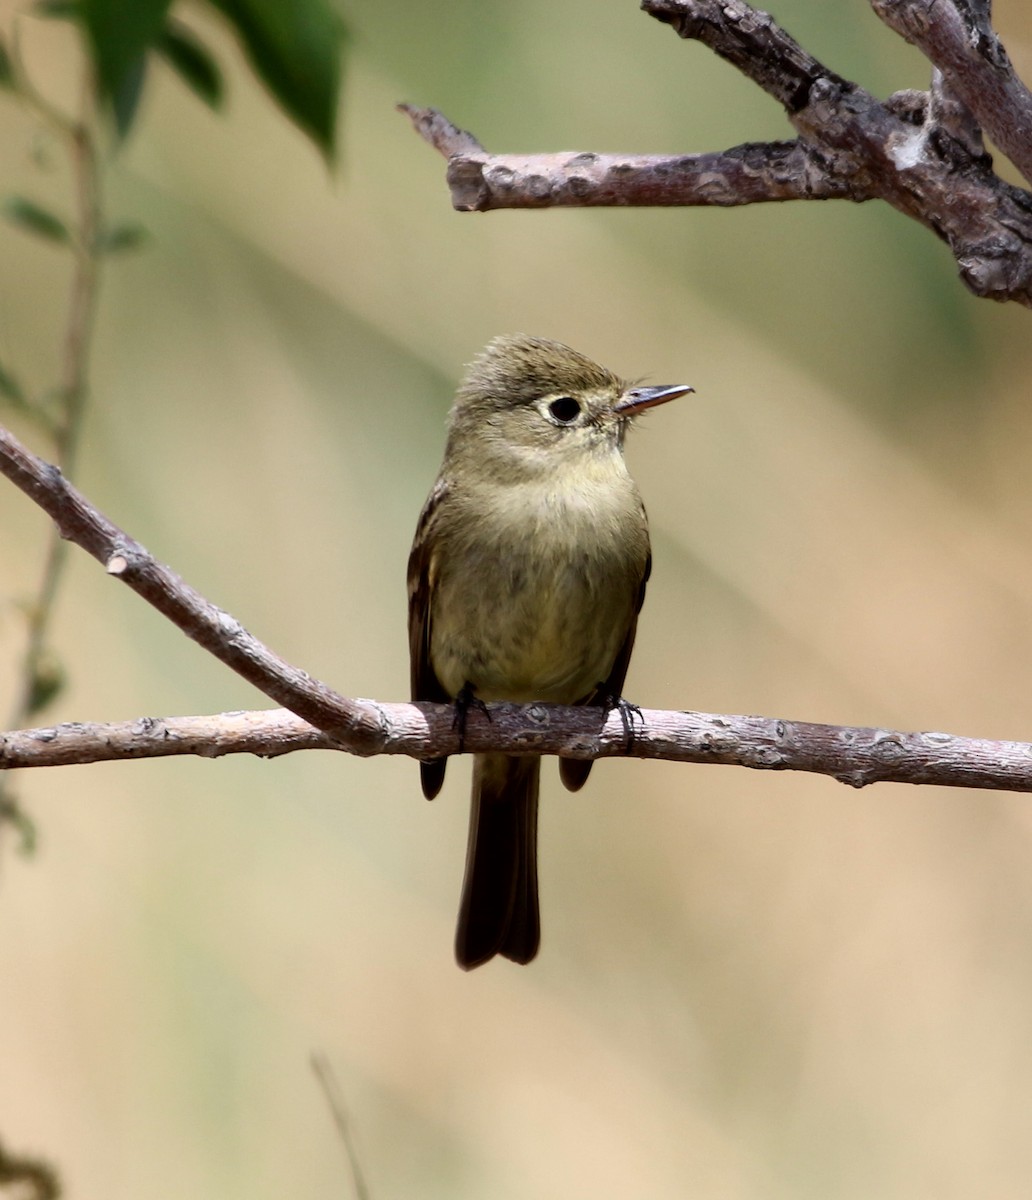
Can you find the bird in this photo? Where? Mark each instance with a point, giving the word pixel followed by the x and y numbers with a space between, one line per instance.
pixel 526 576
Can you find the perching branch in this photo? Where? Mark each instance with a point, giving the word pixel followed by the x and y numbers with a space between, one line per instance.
pixel 855 756
pixel 920 152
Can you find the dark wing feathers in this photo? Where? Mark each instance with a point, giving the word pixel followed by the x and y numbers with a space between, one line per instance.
pixel 574 771
pixel 424 683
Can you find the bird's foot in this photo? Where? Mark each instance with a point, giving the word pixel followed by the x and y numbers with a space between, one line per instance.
pixel 629 713
pixel 464 701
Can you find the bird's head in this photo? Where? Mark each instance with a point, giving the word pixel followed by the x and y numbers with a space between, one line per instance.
pixel 537 405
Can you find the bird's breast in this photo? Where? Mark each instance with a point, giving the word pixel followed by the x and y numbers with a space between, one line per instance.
pixel 535 589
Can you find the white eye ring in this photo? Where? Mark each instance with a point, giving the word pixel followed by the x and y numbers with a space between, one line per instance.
pixel 564 410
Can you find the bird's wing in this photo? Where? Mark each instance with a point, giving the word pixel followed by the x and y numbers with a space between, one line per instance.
pixel 613 686
pixel 574 771
pixel 424 682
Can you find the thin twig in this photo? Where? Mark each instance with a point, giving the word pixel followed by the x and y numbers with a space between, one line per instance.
pixel 435 128
pixel 331 1090
pixel 62 124
pixel 74 389
pixel 82 304
pixel 125 559
pixel 35 673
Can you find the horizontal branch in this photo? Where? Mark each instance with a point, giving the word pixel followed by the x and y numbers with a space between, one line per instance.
pixel 749 174
pixel 855 756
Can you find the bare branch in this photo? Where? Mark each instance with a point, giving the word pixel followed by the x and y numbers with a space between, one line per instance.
pixel 926 159
pixel 856 756
pixel 747 174
pixel 752 42
pixel 985 221
pixel 215 630
pixel 29 1177
pixel 366 727
pixel 948 113
pixel 960 42
pixel 435 128
pixel 266 734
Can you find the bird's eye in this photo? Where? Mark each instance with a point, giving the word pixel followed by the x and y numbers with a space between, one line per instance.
pixel 565 410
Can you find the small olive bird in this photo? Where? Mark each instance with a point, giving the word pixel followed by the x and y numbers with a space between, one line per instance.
pixel 525 578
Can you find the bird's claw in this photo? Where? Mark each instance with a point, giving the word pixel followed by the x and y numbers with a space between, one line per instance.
pixel 464 701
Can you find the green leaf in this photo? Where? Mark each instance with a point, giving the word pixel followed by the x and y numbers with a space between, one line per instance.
pixel 125 101
pixel 130 235
pixel 32 217
pixel 296 48
pixel 47 683
pixel 192 61
pixel 6 68
pixel 120 32
pixel 11 388
pixel 11 813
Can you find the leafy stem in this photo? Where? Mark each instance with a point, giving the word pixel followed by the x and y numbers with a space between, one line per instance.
pixel 39 676
pixel 295 49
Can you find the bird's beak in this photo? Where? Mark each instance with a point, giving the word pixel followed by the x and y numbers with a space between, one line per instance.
pixel 640 398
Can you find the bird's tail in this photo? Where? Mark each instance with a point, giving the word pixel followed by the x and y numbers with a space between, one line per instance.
pixel 499 909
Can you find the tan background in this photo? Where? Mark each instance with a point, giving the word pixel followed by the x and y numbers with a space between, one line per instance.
pixel 751 985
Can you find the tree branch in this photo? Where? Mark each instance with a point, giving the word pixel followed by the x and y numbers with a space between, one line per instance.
pixel 749 174
pixel 934 179
pixel 925 159
pixel 125 559
pixel 959 40
pixel 27 1176
pixel 321 719
pixel 855 756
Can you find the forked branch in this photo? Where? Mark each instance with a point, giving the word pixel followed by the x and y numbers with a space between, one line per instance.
pixel 920 152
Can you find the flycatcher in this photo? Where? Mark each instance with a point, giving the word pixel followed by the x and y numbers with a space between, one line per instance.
pixel 526 576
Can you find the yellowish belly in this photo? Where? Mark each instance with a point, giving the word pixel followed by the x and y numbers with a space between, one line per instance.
pixel 545 617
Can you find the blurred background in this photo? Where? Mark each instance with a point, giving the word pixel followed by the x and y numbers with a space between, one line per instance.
pixel 751 985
